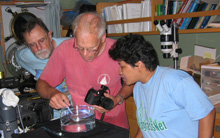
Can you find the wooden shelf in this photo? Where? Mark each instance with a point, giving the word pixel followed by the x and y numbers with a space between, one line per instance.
pixel 165 17
pixel 187 31
pixel 102 5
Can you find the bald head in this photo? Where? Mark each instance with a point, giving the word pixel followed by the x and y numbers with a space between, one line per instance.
pixel 89 23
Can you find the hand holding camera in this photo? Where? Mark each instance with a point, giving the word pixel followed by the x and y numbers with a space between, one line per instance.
pixel 97 97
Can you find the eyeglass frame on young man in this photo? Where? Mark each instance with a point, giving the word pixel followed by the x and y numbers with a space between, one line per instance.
pixel 81 49
pixel 40 42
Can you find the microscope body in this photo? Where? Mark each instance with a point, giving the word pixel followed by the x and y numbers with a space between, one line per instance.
pixel 169 41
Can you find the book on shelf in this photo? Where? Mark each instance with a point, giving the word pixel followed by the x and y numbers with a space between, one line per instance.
pixel 124 16
pixel 186 21
pixel 214 25
pixel 214 18
pixel 169 11
pixel 215 22
pixel 211 1
pixel 132 10
pixel 194 20
pixel 176 6
pixel 108 17
pixel 184 8
pixel 206 18
pixel 172 7
pixel 128 11
pixel 116 15
pixel 201 19
pixel 165 4
pixel 159 11
pixel 145 12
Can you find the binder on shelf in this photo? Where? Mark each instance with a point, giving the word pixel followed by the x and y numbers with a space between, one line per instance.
pixel 145 12
pixel 132 10
pixel 116 15
pixel 124 17
pixel 108 17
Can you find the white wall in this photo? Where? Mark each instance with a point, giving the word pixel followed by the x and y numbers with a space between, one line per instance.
pixel 7 19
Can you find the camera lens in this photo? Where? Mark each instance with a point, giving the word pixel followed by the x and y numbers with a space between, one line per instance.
pixel 107 103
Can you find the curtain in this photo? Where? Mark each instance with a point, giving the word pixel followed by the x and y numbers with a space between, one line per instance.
pixel 52 17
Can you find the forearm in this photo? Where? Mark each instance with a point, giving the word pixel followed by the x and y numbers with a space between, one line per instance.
pixel 139 134
pixel 45 90
pixel 206 125
pixel 125 92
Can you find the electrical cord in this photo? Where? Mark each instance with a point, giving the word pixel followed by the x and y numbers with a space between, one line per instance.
pixel 217 58
pixel 19 114
pixel 3 64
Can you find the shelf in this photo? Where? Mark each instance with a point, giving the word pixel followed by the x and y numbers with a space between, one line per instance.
pixel 186 15
pixel 164 17
pixel 187 31
pixel 211 78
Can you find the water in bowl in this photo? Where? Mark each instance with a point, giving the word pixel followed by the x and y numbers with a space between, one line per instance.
pixel 82 119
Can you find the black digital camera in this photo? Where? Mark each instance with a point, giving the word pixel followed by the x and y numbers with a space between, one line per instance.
pixel 95 97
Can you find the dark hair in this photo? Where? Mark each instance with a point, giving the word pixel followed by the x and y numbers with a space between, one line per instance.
pixel 87 8
pixel 134 48
pixel 29 26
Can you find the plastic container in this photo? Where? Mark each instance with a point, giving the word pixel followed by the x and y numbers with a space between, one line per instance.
pixel 82 119
pixel 210 82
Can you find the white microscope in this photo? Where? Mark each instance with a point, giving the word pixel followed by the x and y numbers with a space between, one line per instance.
pixel 169 39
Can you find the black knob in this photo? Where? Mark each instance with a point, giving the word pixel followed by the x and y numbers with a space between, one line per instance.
pixel 179 51
pixel 155 22
pixel 162 22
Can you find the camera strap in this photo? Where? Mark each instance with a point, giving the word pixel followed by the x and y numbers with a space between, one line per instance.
pixel 102 117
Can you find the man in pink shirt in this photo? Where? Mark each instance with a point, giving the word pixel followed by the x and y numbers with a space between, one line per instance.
pixel 84 62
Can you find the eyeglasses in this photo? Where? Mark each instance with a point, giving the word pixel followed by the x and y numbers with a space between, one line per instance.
pixel 41 42
pixel 90 50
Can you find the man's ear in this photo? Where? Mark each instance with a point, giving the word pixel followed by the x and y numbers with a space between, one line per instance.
pixel 140 64
pixel 50 34
pixel 103 38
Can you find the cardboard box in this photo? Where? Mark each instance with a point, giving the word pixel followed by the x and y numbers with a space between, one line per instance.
pixel 194 63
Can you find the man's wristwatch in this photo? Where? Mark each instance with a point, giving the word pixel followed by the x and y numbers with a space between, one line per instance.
pixel 122 99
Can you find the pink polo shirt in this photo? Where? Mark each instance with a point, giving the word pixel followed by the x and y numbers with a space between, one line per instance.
pixel 80 76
